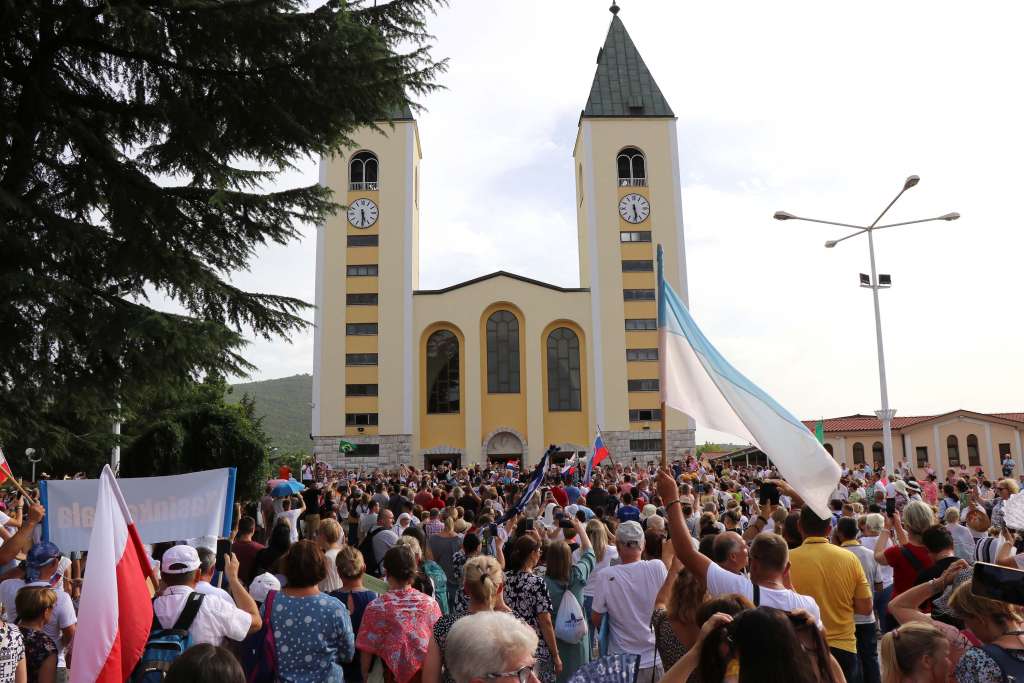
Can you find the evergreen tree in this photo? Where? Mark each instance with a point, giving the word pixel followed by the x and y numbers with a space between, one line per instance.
pixel 137 138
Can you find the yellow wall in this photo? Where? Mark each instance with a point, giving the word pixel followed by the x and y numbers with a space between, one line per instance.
pixel 598 143
pixel 397 150
pixel 446 429
pixel 503 410
pixel 565 426
pixel 464 308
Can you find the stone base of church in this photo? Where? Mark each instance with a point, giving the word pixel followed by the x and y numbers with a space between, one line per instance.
pixel 681 442
pixel 394 450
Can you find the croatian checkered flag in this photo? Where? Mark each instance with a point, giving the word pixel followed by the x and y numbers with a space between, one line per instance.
pixel 535 481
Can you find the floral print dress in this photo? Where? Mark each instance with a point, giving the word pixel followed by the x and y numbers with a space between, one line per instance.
pixel 526 594
pixel 38 648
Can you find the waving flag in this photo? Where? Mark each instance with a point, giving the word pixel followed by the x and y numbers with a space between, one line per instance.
pixel 535 481
pixel 570 465
pixel 697 380
pixel 116 612
pixel 600 453
pixel 512 465
pixel 5 469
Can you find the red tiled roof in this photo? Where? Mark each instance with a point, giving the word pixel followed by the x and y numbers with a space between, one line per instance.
pixel 870 423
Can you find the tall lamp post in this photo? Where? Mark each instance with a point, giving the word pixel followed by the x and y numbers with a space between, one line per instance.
pixel 33 457
pixel 886 413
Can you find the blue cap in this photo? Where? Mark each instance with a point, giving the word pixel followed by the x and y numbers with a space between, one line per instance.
pixel 40 555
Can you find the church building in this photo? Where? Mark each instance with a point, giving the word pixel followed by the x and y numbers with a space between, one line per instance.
pixel 499 367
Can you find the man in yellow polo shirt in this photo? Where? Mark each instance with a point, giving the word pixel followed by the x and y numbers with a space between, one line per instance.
pixel 836 581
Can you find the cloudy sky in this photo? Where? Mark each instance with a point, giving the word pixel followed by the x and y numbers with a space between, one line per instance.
pixel 815 108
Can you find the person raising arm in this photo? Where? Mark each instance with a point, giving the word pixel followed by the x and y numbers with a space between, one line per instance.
pixel 23 538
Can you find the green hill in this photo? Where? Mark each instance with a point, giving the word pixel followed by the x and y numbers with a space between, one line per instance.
pixel 284 405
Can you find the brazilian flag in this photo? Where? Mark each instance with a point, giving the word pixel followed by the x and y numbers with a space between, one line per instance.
pixel 346 446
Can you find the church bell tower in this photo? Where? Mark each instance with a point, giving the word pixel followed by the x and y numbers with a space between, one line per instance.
pixel 628 196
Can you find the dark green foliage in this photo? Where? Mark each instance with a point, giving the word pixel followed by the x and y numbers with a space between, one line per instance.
pixel 202 433
pixel 283 407
pixel 136 140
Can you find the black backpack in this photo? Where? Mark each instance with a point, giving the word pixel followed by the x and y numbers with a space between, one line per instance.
pixel 366 548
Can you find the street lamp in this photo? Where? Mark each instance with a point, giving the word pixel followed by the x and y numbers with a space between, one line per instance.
pixel 885 414
pixel 30 454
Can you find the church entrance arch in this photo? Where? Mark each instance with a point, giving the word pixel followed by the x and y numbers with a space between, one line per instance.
pixel 505 444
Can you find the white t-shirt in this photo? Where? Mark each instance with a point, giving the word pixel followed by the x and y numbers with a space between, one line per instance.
pixel 215 621
pixel 611 554
pixel 721 581
pixel 884 570
pixel 63 612
pixel 293 521
pixel 625 593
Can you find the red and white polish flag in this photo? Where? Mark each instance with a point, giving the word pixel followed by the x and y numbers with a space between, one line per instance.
pixel 5 469
pixel 116 611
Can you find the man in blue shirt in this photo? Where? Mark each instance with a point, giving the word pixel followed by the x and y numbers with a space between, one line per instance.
pixel 628 512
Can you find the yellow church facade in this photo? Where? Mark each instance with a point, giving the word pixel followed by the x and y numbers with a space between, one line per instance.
pixel 499 367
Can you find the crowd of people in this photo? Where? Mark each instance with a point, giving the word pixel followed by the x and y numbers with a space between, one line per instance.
pixel 703 572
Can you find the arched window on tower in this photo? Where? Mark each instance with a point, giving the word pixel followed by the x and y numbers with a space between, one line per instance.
pixel 442 372
pixel 632 168
pixel 953 450
pixel 858 453
pixel 973 455
pixel 502 353
pixel 878 454
pixel 362 172
pixel 563 370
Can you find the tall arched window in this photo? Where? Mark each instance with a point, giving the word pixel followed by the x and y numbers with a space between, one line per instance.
pixel 953 450
pixel 503 353
pixel 878 453
pixel 362 172
pixel 442 372
pixel 828 449
pixel 632 168
pixel 973 456
pixel 563 370
pixel 858 453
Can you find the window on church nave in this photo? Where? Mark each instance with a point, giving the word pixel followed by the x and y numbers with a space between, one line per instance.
pixel 443 372
pixel 503 353
pixel 632 168
pixel 362 172
pixel 563 370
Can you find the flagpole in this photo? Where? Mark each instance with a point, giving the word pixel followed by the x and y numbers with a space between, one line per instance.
pixel 661 361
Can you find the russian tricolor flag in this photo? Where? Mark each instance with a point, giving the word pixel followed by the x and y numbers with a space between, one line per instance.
pixel 697 380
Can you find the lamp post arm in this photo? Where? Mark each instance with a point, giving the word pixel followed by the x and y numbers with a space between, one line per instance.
pixel 921 220
pixel 886 209
pixel 841 225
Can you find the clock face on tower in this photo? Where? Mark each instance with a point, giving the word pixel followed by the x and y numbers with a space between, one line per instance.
pixel 362 213
pixel 634 208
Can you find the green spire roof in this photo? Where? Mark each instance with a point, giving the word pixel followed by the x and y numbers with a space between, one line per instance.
pixel 622 85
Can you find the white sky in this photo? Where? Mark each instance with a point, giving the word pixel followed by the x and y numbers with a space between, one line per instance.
pixel 815 108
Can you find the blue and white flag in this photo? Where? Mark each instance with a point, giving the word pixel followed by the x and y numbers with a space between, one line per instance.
pixel 697 380
pixel 535 481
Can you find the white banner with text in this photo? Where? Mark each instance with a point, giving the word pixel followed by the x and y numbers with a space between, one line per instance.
pixel 172 508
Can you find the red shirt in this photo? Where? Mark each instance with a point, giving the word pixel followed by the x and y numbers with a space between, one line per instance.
pixel 436 503
pixel 903 574
pixel 245 551
pixel 424 499
pixel 560 495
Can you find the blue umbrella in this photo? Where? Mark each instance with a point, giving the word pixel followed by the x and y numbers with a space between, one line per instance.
pixel 287 488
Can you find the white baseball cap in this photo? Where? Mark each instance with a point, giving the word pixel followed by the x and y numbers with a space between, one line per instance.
pixel 630 533
pixel 179 559
pixel 263 584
